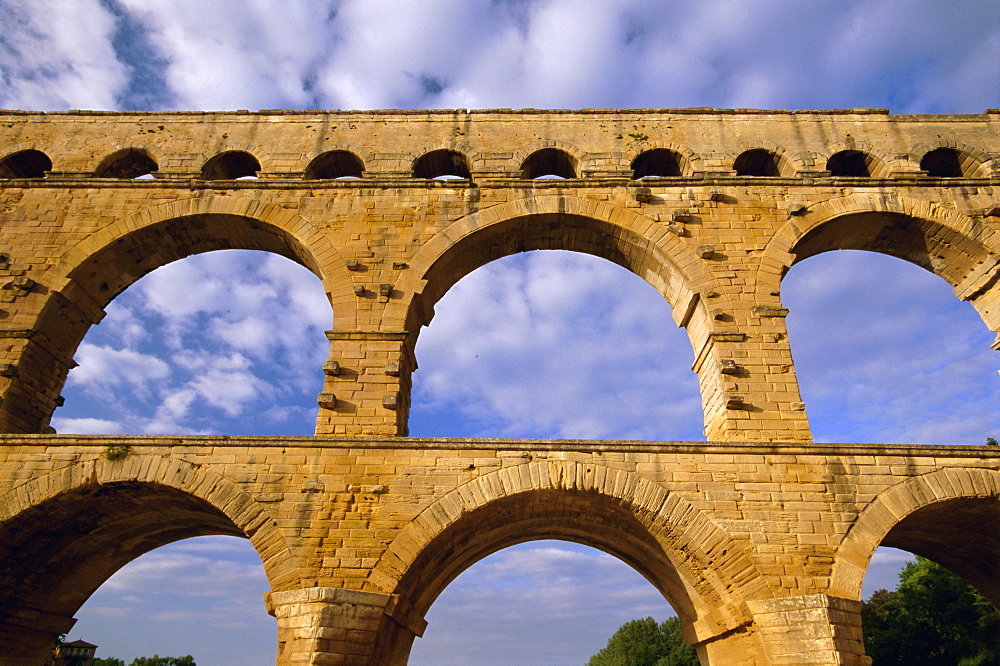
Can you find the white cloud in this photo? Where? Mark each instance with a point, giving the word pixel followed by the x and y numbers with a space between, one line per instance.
pixel 87 426
pixel 223 381
pixel 103 367
pixel 185 574
pixel 228 54
pixel 47 62
pixel 883 570
pixel 185 288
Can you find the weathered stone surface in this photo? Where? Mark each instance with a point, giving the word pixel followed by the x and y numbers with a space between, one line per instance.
pixel 760 547
pixel 759 538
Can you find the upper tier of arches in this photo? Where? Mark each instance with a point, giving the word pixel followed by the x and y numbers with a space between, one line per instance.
pixel 558 161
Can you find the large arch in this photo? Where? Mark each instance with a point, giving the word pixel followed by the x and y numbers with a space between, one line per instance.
pixel 949 516
pixel 64 533
pixel 673 545
pixel 103 264
pixel 562 222
pixel 963 250
pixel 552 222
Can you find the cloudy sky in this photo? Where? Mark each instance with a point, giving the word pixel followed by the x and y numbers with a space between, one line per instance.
pixel 883 350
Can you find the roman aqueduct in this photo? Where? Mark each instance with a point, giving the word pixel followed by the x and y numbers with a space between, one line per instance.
pixel 758 537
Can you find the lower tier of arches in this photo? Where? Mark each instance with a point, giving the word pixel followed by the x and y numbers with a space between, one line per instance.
pixel 760 548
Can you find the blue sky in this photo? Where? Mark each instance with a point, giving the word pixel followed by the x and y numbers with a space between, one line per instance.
pixel 884 352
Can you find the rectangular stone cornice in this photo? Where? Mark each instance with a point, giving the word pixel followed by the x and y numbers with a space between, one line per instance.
pixel 648 113
pixel 596 447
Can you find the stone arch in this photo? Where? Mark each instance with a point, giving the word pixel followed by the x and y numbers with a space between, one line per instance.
pixel 689 161
pixel 571 151
pixel 336 163
pixel 64 533
pixel 949 515
pixel 964 251
pixel 473 158
pixel 629 239
pixel 263 227
pixel 27 162
pixel 880 165
pixel 105 263
pixel 675 546
pixel 127 162
pixel 442 162
pixel 561 222
pixel 787 163
pixel 975 161
pixel 231 165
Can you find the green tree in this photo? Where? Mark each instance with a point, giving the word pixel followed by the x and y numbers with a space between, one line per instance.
pixel 646 643
pixel 932 618
pixel 155 660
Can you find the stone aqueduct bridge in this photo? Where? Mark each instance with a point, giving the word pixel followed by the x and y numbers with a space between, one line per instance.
pixel 758 537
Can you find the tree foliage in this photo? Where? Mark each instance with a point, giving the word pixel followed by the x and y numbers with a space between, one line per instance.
pixel 646 643
pixel 155 660
pixel 933 618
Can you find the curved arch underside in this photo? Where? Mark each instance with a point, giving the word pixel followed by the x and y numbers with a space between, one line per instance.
pixel 109 271
pixel 960 534
pixel 942 250
pixel 580 517
pixel 553 231
pixel 56 554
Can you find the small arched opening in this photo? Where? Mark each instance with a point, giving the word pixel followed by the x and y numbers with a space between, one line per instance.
pixel 231 165
pixel 442 165
pixel 549 163
pixel 25 164
pixel 127 163
pixel 854 164
pixel 759 162
pixel 659 163
pixel 949 163
pixel 335 164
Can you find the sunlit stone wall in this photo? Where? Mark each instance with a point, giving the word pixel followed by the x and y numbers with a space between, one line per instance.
pixel 391 208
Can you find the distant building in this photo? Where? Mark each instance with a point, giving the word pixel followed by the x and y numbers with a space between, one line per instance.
pixel 77 653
